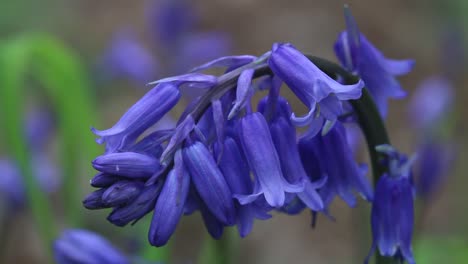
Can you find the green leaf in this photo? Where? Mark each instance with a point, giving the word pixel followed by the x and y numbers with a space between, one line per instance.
pixel 436 250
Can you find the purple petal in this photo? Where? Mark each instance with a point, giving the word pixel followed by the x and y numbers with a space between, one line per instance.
pixel 127 164
pixel 227 61
pixel 209 182
pixel 170 204
pixel 263 159
pixel 142 115
pixel 243 91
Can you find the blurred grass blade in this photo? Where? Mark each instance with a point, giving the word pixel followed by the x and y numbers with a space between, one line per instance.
pixel 13 65
pixel 67 85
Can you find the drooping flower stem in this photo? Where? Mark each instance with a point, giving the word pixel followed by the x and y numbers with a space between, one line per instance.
pixel 370 122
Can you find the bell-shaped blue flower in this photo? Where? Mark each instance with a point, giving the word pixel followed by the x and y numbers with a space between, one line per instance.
pixel 331 155
pixel 104 180
pixel 284 137
pixel 128 164
pixel 86 247
pixel 170 205
pixel 237 174
pixel 392 213
pixel 320 93
pixel 121 193
pixel 264 162
pixel 143 114
pixel 209 182
pixel 137 208
pixel 357 54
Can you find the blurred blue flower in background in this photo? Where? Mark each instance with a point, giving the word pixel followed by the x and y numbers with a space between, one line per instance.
pixel 176 45
pixel 38 128
pixel 429 111
pixel 79 246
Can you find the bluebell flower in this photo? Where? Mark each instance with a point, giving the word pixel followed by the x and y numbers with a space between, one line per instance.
pixel 284 138
pixel 264 162
pixel 170 204
pixel 128 164
pixel 392 213
pixel 237 174
pixel 121 192
pixel 357 54
pixel 225 158
pixel 331 155
pixel 86 247
pixel 319 92
pixel 142 115
pixel 127 58
pixel 209 182
pixel 431 102
pixel 138 207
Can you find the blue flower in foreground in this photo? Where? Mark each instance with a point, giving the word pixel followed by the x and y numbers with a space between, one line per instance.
pixel 224 159
pixel 263 160
pixel 142 115
pixel 319 92
pixel 170 204
pixel 357 54
pixel 80 246
pixel 331 155
pixel 392 210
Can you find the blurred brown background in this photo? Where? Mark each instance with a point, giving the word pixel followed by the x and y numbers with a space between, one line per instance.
pixel 401 29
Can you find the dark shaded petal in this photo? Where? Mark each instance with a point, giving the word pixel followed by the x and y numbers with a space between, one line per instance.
pixel 182 131
pixel 94 200
pixel 104 180
pixel 170 204
pixel 209 182
pixel 137 208
pixel 121 193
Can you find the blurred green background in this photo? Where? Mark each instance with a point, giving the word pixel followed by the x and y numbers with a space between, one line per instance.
pixel 66 39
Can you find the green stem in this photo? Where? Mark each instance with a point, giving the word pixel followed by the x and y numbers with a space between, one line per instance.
pixel 370 122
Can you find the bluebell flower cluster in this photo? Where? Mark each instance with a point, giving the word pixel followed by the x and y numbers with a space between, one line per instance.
pixel 235 159
pixel 392 213
pixel 86 247
pixel 232 162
